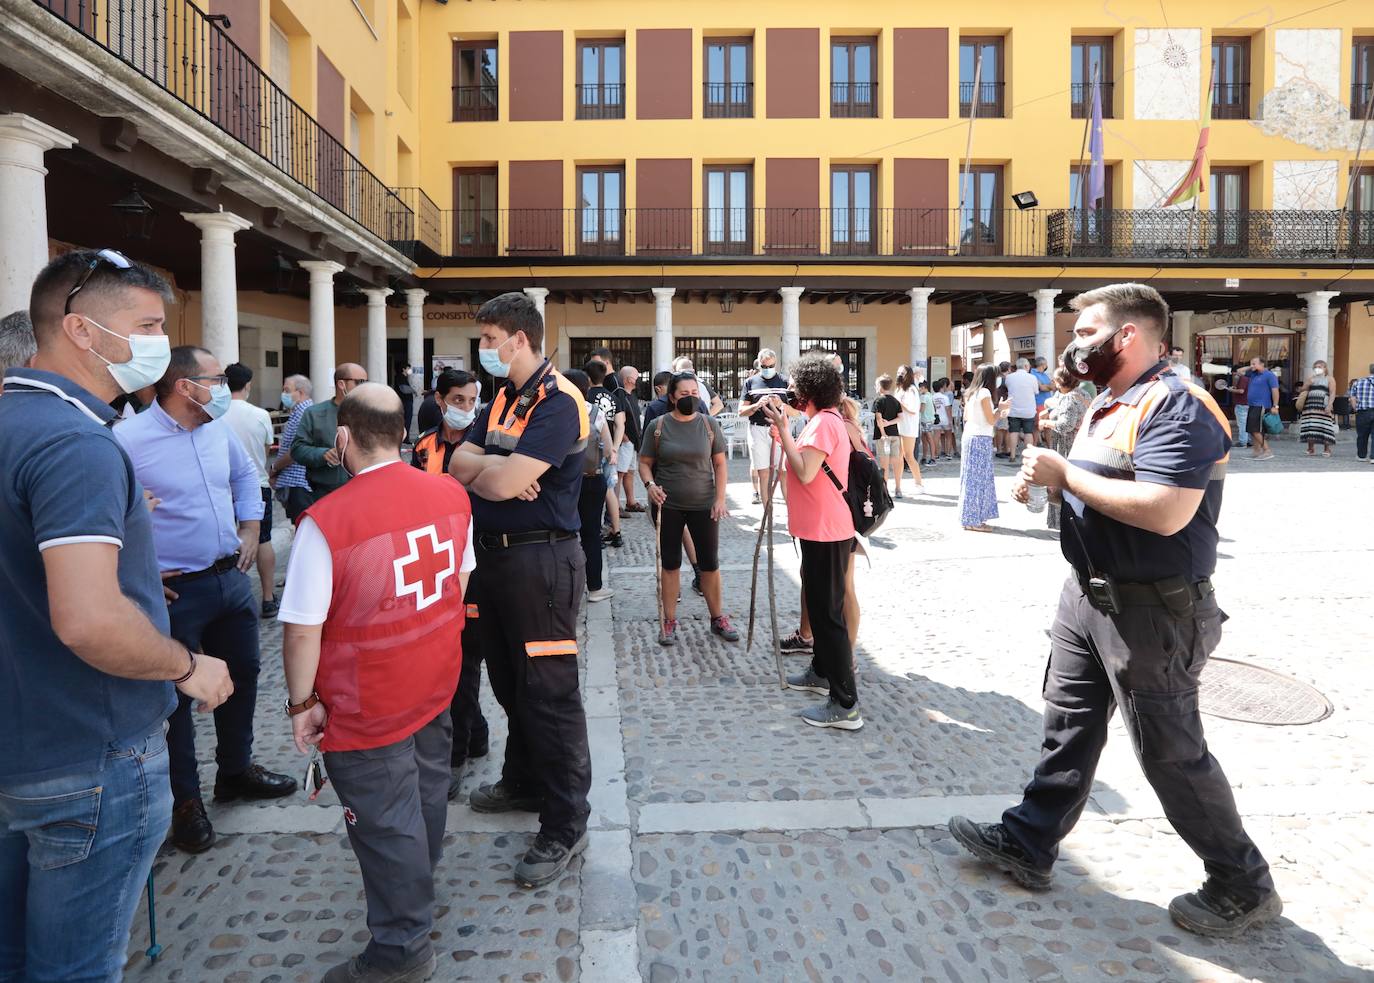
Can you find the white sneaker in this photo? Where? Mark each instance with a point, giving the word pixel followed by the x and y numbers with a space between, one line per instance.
pixel 600 594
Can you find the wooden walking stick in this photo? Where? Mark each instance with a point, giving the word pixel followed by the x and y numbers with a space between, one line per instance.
pixel 658 559
pixel 758 545
pixel 772 600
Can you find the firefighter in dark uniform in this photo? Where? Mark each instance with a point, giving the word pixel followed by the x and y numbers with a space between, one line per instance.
pixel 522 465
pixel 456 391
pixel 1141 491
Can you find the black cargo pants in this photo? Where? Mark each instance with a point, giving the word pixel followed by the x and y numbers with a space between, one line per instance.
pixel 528 598
pixel 1148 662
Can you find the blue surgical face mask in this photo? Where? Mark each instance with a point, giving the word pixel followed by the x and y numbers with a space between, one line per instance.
pixel 490 358
pixel 459 419
pixel 287 401
pixel 768 371
pixel 150 356
pixel 220 399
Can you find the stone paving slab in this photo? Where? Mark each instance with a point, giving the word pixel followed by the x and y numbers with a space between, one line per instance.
pixel 909 905
pixel 288 906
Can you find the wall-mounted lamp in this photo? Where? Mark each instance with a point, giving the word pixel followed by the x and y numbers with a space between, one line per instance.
pixel 856 303
pixel 599 302
pixel 137 215
pixel 727 303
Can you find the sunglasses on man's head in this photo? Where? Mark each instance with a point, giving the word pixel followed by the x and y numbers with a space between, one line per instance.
pixel 115 259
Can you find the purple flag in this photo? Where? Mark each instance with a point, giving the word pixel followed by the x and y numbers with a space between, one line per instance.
pixel 1097 172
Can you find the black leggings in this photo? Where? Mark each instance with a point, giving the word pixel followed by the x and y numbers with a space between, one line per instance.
pixel 705 537
pixel 823 567
pixel 590 501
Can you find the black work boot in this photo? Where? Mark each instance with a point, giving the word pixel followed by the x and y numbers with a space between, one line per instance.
pixel 1214 911
pixel 992 843
pixel 191 829
pixel 502 798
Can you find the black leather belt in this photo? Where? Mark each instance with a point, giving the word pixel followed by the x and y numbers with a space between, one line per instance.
pixel 505 540
pixel 222 565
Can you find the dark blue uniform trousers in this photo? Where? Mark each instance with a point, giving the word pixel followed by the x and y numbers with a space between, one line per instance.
pixel 531 594
pixel 1148 663
pixel 215 614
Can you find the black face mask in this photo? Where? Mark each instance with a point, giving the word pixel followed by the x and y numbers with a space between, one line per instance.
pixel 686 405
pixel 1093 363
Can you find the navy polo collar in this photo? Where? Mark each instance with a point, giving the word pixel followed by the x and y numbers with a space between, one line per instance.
pixel 21 380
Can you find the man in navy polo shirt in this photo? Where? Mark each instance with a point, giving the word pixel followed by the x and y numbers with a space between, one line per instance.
pixel 84 655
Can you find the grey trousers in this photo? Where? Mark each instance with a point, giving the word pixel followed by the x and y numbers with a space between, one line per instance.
pixel 1148 663
pixel 395 802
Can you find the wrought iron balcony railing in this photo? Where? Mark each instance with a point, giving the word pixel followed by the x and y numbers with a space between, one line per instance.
pixel 1231 100
pixel 854 100
pixel 990 100
pixel 475 103
pixel 721 100
pixel 1361 96
pixel 1080 99
pixel 1163 235
pixel 605 100
pixel 174 45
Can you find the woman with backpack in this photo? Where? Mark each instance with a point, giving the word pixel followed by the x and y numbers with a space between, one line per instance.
pixel 593 495
pixel 819 517
pixel 682 463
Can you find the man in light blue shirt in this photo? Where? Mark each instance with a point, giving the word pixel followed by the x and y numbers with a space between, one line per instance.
pixel 205 531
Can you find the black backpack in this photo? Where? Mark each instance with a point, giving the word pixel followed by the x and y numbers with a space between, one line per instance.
pixel 869 502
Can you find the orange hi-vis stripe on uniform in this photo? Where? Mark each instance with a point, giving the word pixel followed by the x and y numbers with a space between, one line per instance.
pixel 506 424
pixel 563 646
pixel 1108 437
pixel 430 452
pixel 472 611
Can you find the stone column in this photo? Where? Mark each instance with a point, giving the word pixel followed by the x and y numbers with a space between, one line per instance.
pixel 1318 347
pixel 23 204
pixel 1181 335
pixel 415 337
pixel 322 324
pixel 538 295
pixel 374 347
pixel 1044 324
pixel 219 286
pixel 663 328
pixel 920 325
pixel 791 325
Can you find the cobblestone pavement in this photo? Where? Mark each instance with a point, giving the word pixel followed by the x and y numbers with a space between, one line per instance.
pixel 731 842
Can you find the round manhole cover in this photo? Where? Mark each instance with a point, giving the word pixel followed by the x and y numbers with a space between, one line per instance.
pixel 1242 691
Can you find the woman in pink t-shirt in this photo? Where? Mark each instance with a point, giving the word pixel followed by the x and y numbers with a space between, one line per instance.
pixel 818 516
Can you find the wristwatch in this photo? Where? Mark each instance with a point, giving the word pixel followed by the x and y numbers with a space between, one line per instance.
pixel 292 709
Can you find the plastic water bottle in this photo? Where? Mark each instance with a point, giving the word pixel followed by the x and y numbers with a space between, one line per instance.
pixel 1039 498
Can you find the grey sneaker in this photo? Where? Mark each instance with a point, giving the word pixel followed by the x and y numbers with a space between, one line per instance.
pixel 502 798
pixel 358 970
pixel 721 626
pixel 990 842
pixel 546 860
pixel 832 714
pixel 1216 912
pixel 667 635
pixel 809 682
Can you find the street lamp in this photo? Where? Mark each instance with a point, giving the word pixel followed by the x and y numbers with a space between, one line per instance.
pixel 599 302
pixel 856 303
pixel 727 302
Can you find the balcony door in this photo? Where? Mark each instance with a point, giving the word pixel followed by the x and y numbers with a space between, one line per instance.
pixel 1231 78
pixel 601 211
pixel 853 78
pixel 1230 197
pixel 980 214
pixel 853 215
pixel 474 81
pixel 1091 223
pixel 1362 214
pixel 1361 77
pixel 601 80
pixel 474 204
pixel 729 208
pixel 988 53
pixel 1091 59
pixel 729 78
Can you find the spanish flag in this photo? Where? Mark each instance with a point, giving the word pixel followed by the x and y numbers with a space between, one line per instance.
pixel 1191 185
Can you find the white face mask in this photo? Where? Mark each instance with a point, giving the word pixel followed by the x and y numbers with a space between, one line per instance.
pixel 150 354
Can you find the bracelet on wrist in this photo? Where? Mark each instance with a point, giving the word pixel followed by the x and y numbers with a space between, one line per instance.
pixel 189 672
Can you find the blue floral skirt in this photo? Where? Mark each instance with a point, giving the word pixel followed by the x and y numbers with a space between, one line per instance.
pixel 977 493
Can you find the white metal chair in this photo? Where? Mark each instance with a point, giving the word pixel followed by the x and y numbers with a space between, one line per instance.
pixel 735 433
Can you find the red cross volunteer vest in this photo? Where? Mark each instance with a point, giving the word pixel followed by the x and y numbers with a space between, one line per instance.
pixel 391 648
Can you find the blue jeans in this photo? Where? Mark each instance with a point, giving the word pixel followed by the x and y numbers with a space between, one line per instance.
pixel 1242 438
pixel 75 853
pixel 215 614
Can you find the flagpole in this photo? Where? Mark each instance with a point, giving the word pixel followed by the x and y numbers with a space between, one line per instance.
pixel 1082 154
pixel 968 146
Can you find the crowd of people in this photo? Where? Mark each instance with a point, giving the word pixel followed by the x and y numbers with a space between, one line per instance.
pixel 131 614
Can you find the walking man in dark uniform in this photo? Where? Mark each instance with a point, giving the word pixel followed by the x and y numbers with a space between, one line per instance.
pixel 522 465
pixel 1141 492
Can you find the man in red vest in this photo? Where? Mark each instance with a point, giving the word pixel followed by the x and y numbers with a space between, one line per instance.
pixel 373 613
